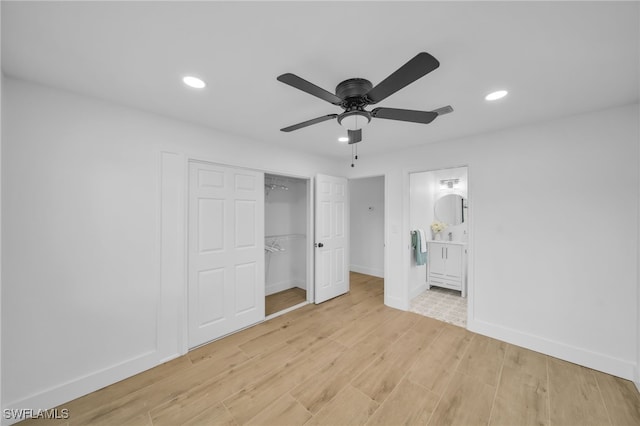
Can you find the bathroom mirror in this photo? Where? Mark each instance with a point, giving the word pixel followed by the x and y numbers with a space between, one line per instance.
pixel 450 209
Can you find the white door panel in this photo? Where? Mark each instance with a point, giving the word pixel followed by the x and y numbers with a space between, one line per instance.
pixel 226 245
pixel 332 243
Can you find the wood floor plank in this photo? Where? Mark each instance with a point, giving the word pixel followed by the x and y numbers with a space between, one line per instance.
pixel 484 359
pixel 216 415
pixel 408 404
pixel 364 325
pixel 195 382
pixel 284 411
pixel 212 350
pixel 182 409
pixel 243 336
pixel 522 397
pixel 621 398
pixel 287 330
pixel 284 299
pixel 434 368
pixel 466 402
pixel 135 404
pixel 350 407
pixel 95 400
pixel 318 390
pixel 383 375
pixel 44 422
pixel 188 402
pixel 258 396
pixel 574 395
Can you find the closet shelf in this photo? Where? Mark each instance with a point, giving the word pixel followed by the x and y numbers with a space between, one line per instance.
pixel 285 237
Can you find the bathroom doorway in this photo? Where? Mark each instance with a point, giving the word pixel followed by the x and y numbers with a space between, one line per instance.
pixel 438 215
pixel 286 243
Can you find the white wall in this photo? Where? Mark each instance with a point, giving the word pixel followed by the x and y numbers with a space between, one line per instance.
pixel 93 203
pixel 553 233
pixel 1 138
pixel 367 225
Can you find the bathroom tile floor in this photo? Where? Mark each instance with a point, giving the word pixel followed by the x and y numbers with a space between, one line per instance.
pixel 442 304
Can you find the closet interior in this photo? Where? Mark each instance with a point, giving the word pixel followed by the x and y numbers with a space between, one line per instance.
pixel 286 243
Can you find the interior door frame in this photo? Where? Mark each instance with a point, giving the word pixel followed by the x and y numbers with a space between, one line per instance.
pixel 385 213
pixel 385 225
pixel 406 238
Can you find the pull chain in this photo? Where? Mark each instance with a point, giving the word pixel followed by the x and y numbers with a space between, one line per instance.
pixel 352 165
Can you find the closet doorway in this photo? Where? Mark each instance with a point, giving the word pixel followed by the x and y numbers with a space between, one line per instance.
pixel 286 243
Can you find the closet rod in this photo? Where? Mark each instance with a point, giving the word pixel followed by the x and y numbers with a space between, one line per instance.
pixel 285 237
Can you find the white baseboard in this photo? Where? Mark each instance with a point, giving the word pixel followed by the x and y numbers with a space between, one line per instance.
pixel 595 360
pixel 284 285
pixel 376 272
pixel 417 290
pixel 58 395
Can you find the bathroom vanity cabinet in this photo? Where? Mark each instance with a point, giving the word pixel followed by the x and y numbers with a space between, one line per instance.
pixel 447 265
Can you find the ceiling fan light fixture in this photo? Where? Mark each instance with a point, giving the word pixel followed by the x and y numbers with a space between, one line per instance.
pixel 194 82
pixel 494 96
pixel 354 120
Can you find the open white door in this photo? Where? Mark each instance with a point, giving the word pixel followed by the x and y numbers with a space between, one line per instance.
pixel 332 237
pixel 226 250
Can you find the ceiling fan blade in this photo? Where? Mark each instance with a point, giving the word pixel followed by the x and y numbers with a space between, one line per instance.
pixel 355 136
pixel 443 110
pixel 302 84
pixel 420 65
pixel 309 122
pixel 424 117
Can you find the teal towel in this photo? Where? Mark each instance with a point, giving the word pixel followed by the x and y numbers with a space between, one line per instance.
pixel 421 257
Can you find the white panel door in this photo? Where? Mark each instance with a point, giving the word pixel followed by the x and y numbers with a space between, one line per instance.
pixel 226 250
pixel 332 237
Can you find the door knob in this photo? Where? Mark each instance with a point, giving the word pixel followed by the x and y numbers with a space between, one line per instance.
pixel 319 245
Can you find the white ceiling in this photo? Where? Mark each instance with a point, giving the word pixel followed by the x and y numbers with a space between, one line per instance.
pixel 556 59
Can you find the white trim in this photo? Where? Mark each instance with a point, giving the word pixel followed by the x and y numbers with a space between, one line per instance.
pixel 417 291
pixel 171 324
pixel 376 272
pixel 384 273
pixel 284 311
pixel 581 356
pixel 396 302
pixel 311 238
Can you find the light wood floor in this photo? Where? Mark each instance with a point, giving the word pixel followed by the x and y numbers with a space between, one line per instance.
pixel 284 299
pixel 353 361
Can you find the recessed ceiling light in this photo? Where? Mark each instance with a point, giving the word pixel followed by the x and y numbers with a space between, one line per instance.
pixel 194 82
pixel 496 95
pixel 343 139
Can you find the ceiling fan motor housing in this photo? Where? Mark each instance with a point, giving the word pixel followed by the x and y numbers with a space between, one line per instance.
pixel 353 93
